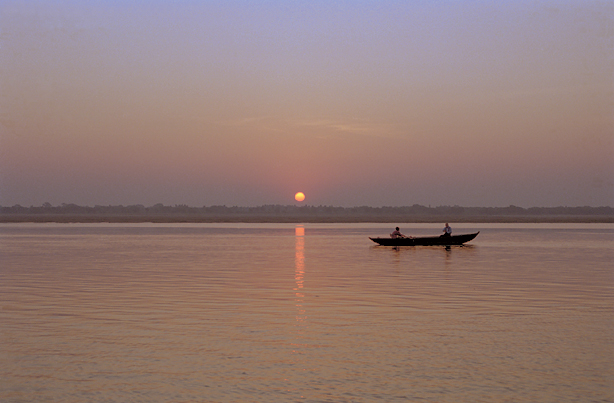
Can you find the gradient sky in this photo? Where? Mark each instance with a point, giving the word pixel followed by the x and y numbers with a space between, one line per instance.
pixel 382 103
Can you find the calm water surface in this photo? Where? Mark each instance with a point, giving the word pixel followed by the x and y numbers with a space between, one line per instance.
pixel 304 313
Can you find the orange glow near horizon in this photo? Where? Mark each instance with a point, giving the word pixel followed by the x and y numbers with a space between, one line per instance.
pixel 300 196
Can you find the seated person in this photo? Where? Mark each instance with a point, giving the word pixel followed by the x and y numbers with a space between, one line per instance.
pixel 397 234
pixel 447 230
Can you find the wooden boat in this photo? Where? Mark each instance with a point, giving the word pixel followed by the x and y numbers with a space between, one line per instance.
pixel 426 240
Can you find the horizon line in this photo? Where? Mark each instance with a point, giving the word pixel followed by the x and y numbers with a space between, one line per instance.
pixel 297 205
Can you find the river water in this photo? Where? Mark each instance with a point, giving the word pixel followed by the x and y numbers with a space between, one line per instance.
pixel 305 313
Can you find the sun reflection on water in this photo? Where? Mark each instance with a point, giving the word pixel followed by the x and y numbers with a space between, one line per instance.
pixel 299 272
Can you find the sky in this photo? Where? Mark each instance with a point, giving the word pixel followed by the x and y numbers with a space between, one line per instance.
pixel 354 103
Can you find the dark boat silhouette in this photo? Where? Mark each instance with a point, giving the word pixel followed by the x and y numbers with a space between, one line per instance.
pixel 426 240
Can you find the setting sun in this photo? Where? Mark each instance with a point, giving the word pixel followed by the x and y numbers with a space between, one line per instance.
pixel 300 196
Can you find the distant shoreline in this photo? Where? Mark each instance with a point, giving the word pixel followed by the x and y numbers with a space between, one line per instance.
pixel 159 213
pixel 92 218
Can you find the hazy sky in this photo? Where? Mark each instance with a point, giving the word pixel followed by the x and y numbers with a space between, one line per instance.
pixel 471 103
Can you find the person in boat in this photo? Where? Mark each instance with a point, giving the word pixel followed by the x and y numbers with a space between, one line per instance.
pixel 447 230
pixel 397 234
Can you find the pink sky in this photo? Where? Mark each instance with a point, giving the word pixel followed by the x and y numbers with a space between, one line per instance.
pixel 353 103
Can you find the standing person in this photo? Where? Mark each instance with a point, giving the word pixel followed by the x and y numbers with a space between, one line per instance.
pixel 447 230
pixel 397 234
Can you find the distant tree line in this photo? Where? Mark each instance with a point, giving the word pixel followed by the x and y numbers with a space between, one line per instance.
pixel 289 212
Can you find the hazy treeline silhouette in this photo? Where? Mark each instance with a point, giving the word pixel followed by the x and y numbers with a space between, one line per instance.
pixel 286 213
